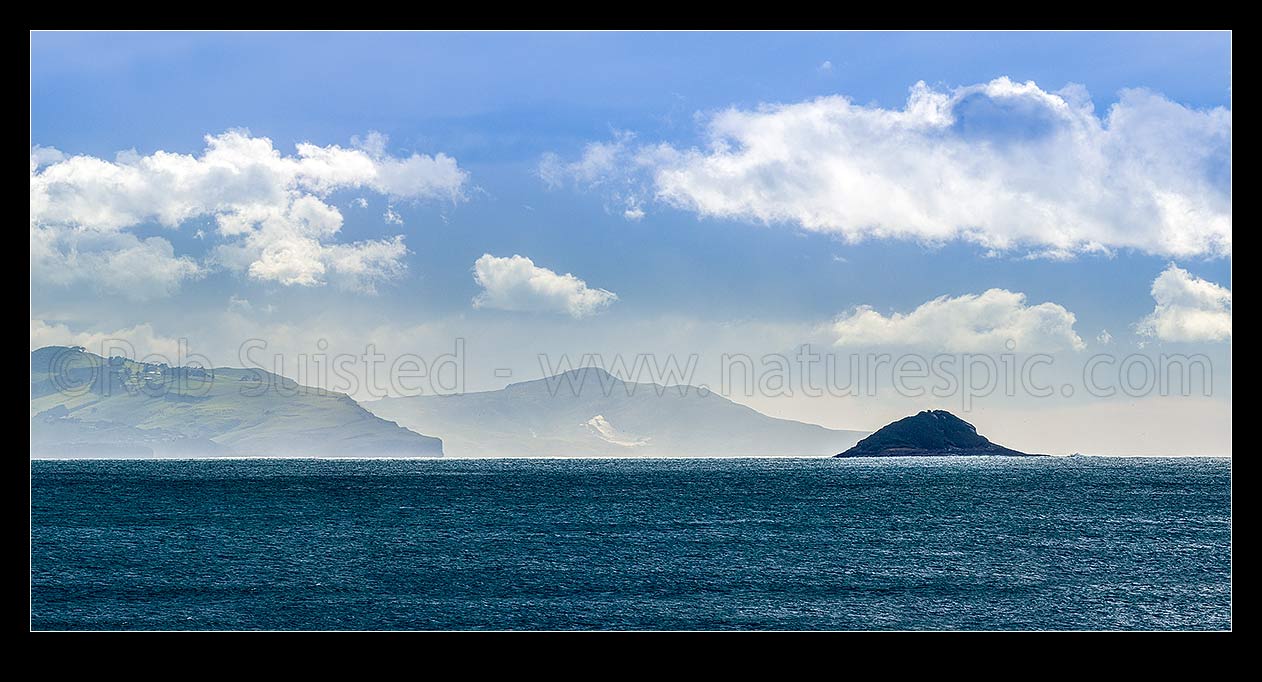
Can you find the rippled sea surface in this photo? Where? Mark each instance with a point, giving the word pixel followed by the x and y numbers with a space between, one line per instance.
pixel 800 544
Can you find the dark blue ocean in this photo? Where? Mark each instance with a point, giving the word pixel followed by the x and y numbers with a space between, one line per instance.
pixel 800 544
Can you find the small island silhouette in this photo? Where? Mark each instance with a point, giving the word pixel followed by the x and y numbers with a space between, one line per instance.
pixel 931 433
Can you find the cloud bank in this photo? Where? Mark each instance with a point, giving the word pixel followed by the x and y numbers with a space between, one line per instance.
pixel 268 209
pixel 1002 164
pixel 984 322
pixel 1188 308
pixel 140 339
pixel 518 284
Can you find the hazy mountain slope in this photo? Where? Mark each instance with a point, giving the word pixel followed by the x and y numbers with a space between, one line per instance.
pixel 83 405
pixel 590 412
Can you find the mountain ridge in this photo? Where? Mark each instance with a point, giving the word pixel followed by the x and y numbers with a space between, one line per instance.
pixel 591 412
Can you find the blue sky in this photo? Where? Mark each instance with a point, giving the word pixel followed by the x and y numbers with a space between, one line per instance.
pixel 501 104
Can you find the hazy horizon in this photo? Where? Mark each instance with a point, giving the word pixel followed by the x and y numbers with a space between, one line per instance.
pixel 556 386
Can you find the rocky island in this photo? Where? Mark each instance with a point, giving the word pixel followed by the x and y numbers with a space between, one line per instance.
pixel 931 433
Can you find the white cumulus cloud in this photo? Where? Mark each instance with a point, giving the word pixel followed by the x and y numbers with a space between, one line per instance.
pixel 1002 164
pixel 1188 308
pixel 118 263
pixel 516 283
pixel 984 322
pixel 42 156
pixel 268 208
